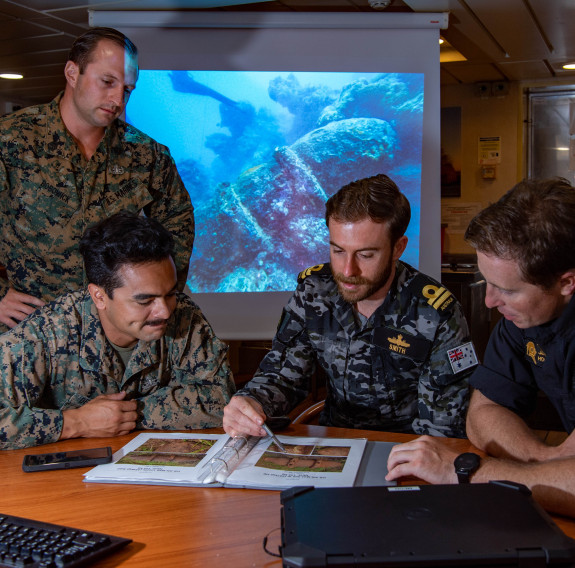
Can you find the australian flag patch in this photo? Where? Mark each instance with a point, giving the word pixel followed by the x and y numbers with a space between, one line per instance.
pixel 462 357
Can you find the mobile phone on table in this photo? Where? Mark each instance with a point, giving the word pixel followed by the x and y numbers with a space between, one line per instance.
pixel 67 460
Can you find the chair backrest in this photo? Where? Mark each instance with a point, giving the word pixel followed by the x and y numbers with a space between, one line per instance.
pixel 310 414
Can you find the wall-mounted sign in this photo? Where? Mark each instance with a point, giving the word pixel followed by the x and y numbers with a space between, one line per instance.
pixel 489 150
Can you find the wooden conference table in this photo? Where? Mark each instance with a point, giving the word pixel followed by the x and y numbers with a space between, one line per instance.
pixel 170 526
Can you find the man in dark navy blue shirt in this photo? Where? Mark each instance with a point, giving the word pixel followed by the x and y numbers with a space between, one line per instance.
pixel 525 246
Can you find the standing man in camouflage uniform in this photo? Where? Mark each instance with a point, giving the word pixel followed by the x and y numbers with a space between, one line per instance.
pixel 393 342
pixel 129 352
pixel 70 163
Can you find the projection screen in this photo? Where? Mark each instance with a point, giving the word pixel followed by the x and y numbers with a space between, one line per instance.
pixel 266 116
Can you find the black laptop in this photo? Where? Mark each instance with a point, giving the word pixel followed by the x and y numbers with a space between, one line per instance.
pixel 480 525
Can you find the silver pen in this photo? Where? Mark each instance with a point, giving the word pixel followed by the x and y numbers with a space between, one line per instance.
pixel 273 437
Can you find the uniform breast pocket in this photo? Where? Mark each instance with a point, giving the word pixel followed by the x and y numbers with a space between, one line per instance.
pixel 132 194
pixel 332 356
pixel 44 213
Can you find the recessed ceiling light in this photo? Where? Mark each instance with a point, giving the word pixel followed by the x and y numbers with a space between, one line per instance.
pixel 569 66
pixel 11 76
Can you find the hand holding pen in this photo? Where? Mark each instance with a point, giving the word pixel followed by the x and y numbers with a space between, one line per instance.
pixel 244 416
pixel 274 438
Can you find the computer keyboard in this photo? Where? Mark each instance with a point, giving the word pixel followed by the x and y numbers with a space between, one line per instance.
pixel 33 544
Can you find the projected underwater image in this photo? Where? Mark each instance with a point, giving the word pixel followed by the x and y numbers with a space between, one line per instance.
pixel 260 152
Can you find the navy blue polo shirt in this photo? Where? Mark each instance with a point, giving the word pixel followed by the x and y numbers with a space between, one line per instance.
pixel 518 362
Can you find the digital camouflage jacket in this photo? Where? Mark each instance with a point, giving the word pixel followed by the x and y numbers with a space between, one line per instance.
pixel 392 374
pixel 50 193
pixel 59 358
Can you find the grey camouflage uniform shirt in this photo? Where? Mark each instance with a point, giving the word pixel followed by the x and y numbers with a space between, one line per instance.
pixel 391 374
pixel 50 193
pixel 59 358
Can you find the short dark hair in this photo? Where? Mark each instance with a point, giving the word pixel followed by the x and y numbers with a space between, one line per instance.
pixel 124 238
pixel 377 198
pixel 84 46
pixel 533 224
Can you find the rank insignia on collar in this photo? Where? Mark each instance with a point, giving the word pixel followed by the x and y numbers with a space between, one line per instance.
pixel 534 353
pixel 116 170
pixel 462 357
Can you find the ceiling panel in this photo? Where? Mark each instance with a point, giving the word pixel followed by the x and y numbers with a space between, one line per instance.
pixel 555 18
pixel 501 19
pixel 468 72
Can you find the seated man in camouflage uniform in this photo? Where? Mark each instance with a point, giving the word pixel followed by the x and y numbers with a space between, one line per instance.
pixel 129 352
pixel 393 342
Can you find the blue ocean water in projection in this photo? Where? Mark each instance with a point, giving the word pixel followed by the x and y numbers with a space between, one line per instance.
pixel 260 152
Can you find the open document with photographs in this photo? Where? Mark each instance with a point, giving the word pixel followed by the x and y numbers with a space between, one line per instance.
pixel 216 460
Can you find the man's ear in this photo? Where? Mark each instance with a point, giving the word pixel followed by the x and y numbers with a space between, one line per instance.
pixel 399 247
pixel 567 282
pixel 71 72
pixel 99 297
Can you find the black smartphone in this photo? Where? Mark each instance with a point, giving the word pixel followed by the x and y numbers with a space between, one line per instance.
pixel 66 460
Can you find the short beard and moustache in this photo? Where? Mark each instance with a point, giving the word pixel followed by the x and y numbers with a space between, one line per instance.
pixel 373 286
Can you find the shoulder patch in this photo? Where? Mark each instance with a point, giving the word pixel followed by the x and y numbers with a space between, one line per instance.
pixel 438 297
pixel 462 357
pixel 317 269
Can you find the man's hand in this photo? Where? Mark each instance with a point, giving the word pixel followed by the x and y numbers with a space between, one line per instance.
pixel 425 458
pixel 104 416
pixel 244 416
pixel 15 306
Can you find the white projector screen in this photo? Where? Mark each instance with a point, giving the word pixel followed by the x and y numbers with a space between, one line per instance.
pixel 269 115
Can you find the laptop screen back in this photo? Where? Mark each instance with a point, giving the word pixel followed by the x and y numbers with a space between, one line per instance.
pixel 494 524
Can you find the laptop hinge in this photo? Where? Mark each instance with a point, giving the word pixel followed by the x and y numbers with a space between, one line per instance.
pixel 531 558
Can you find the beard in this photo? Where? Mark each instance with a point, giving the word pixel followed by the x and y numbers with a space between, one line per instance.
pixel 368 286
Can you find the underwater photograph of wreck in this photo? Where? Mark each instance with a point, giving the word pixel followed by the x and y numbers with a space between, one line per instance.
pixel 260 152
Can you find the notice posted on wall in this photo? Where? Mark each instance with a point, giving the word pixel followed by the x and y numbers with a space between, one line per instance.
pixel 489 150
pixel 457 217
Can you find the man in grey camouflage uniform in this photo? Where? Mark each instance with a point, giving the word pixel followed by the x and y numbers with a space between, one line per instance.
pixel 70 163
pixel 392 342
pixel 129 352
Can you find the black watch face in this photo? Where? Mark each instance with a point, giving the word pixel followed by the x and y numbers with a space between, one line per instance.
pixel 467 461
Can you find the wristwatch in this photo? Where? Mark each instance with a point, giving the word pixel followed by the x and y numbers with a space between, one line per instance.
pixel 466 465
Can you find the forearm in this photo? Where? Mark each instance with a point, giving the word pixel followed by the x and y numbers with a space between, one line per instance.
pixel 552 483
pixel 25 427
pixel 187 405
pixel 276 391
pixel 501 433
pixel 28 414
